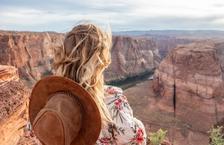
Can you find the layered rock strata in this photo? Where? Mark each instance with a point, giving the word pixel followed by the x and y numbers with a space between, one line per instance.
pixel 32 54
pixel 131 56
pixel 13 106
pixel 189 84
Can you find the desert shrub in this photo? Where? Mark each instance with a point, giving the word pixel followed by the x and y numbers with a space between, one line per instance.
pixel 157 138
pixel 216 136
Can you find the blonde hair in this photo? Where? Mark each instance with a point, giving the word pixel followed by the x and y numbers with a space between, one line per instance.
pixel 83 57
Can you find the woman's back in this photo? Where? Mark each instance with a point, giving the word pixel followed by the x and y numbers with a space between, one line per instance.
pixel 83 58
pixel 125 128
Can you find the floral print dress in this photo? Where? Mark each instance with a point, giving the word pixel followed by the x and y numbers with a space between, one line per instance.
pixel 126 129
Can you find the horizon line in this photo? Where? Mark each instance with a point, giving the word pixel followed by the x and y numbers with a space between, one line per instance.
pixel 116 31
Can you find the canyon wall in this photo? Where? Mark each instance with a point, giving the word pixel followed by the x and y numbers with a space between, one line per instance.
pixel 131 56
pixel 186 96
pixel 167 40
pixel 167 43
pixel 29 52
pixel 13 106
pixel 32 54
pixel 189 84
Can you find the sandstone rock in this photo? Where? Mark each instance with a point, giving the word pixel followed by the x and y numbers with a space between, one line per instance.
pixel 149 108
pixel 189 83
pixel 29 52
pixel 13 106
pixel 32 54
pixel 131 56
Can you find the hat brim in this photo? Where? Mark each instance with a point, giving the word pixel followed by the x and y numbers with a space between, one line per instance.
pixel 41 93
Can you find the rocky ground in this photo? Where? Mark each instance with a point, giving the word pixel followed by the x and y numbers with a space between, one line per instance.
pixel 13 106
pixel 149 108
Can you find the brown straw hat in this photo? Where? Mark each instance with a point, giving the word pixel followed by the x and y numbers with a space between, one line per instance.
pixel 61 112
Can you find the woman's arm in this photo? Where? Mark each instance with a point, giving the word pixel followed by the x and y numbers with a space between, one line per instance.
pixel 127 129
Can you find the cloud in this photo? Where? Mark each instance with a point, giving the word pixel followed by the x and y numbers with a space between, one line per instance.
pixel 60 15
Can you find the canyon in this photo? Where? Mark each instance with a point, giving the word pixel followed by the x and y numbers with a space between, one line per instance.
pixel 185 97
pixel 32 54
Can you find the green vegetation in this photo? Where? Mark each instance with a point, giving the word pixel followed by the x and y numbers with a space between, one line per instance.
pixel 216 136
pixel 157 138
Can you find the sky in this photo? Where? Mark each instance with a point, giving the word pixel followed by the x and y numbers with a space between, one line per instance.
pixel 120 15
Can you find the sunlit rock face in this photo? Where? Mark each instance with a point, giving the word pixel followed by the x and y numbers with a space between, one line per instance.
pixel 197 72
pixel 13 106
pixel 189 84
pixel 131 56
pixel 32 54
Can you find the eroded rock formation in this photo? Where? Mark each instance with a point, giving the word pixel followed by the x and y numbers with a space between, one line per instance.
pixel 131 56
pixel 13 106
pixel 32 54
pixel 189 85
pixel 29 52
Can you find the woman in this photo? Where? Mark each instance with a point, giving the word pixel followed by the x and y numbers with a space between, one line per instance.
pixel 83 58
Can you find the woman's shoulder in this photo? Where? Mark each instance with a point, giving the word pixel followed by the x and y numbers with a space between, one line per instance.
pixel 112 90
pixel 126 129
pixel 116 101
pixel 114 95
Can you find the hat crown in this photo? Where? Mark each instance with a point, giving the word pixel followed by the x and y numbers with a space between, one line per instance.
pixel 59 122
pixel 43 91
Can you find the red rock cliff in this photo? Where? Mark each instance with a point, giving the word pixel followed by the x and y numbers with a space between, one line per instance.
pixel 32 53
pixel 29 52
pixel 13 107
pixel 131 56
pixel 190 81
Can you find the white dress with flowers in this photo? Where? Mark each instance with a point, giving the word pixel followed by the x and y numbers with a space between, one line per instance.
pixel 126 129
